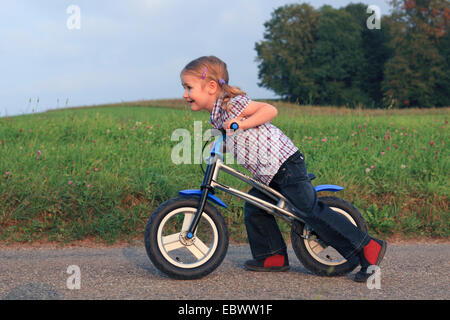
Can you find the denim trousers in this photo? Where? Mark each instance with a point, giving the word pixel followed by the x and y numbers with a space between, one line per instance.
pixel 292 181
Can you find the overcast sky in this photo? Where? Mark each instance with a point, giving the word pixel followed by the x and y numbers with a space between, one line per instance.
pixel 125 50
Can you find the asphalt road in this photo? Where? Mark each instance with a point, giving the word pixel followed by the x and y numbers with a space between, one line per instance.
pixel 409 271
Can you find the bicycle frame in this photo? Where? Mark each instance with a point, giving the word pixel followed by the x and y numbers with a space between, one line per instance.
pixel 282 207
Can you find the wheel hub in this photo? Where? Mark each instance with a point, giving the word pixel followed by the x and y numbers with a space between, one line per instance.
pixel 185 240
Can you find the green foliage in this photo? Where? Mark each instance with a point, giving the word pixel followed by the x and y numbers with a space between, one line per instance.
pixel 338 59
pixel 379 219
pixel 376 51
pixel 285 55
pixel 330 57
pixel 418 71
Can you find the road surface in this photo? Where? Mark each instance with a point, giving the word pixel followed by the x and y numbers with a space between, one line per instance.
pixel 409 271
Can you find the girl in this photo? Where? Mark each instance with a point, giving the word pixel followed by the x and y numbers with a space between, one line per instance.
pixel 274 160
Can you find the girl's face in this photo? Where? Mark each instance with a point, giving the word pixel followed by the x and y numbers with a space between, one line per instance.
pixel 199 93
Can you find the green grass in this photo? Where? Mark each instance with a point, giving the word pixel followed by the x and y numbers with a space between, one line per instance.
pixel 99 172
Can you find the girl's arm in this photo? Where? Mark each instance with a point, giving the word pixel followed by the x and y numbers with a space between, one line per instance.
pixel 256 113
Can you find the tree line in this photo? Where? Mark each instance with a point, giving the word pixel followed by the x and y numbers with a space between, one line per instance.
pixel 331 56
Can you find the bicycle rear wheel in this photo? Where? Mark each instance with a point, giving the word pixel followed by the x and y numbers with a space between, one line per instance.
pixel 317 256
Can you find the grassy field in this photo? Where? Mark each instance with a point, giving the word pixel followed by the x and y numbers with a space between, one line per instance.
pixel 99 172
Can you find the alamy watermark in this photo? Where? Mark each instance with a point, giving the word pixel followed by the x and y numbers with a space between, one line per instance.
pixel 374 21
pixel 74 20
pixel 74 281
pixel 374 281
pixel 240 148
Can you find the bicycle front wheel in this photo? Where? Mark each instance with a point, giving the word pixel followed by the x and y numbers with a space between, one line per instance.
pixel 172 252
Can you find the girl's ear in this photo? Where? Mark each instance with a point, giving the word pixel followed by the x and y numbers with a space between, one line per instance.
pixel 212 86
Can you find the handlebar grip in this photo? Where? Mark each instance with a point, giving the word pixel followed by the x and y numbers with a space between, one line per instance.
pixel 234 126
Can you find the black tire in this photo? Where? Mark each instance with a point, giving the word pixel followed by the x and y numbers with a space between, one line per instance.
pixel 163 250
pixel 305 249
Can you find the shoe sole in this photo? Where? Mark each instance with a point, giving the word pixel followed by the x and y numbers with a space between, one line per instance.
pixel 382 252
pixel 268 269
pixel 361 277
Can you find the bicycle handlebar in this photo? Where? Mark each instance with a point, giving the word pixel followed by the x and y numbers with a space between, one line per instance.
pixel 234 126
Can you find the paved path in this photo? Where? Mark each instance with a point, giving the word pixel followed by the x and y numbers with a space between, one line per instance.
pixel 409 271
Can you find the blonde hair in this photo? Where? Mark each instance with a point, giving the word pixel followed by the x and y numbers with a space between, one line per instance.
pixel 212 68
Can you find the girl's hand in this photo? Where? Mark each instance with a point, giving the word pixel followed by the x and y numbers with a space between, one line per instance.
pixel 255 114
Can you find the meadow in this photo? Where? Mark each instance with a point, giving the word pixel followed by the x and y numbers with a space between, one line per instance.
pixel 99 172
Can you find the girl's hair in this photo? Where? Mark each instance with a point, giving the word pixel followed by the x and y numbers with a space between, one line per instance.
pixel 212 68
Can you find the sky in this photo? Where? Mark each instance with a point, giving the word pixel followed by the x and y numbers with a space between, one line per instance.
pixel 109 51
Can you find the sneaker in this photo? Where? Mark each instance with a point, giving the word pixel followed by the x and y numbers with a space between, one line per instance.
pixel 372 254
pixel 275 263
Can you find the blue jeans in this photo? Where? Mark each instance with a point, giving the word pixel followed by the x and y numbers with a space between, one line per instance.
pixel 292 181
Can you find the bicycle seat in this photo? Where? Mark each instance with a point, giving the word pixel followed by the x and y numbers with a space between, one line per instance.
pixel 311 176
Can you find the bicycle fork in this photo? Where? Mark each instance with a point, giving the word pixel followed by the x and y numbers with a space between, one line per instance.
pixel 205 188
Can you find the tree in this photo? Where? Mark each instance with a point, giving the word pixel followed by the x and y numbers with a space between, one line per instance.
pixel 376 50
pixel 417 74
pixel 285 55
pixel 329 56
pixel 338 59
pixel 319 56
pixel 443 83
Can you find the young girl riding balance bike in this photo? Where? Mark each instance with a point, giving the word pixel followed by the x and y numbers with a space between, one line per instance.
pixel 273 159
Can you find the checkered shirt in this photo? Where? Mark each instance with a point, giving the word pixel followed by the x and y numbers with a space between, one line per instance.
pixel 262 149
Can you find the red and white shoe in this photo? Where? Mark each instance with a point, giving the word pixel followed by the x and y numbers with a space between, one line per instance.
pixel 371 254
pixel 275 263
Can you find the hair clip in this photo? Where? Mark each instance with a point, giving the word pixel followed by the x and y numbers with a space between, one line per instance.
pixel 204 73
pixel 221 82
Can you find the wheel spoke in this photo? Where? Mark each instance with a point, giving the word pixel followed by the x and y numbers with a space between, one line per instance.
pixel 315 246
pixel 195 251
pixel 188 217
pixel 199 249
pixel 172 242
pixel 201 246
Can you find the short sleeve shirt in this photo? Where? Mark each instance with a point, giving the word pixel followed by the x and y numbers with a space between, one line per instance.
pixel 262 149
